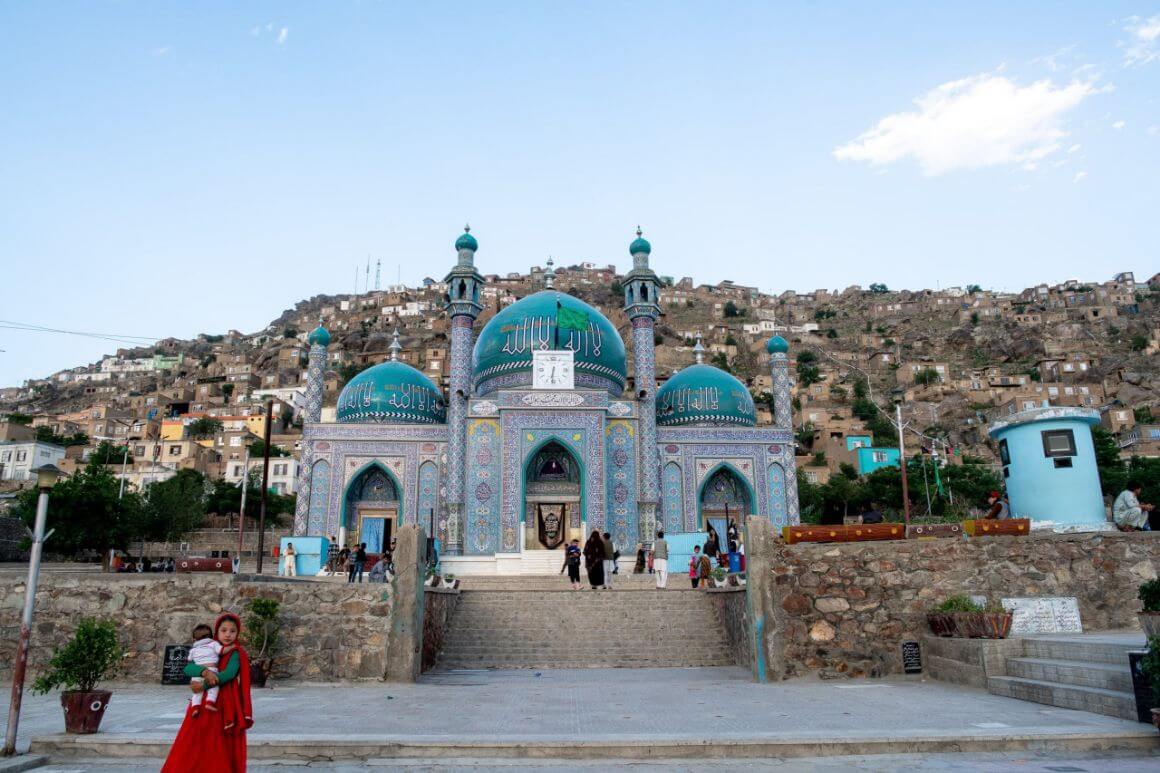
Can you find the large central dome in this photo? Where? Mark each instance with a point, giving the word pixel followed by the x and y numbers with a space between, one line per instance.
pixel 503 353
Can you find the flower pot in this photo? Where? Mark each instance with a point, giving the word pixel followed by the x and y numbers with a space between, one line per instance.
pixel 259 673
pixel 941 624
pixel 1150 622
pixel 83 710
pixel 982 625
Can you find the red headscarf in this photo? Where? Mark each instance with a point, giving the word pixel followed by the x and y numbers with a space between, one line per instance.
pixel 234 700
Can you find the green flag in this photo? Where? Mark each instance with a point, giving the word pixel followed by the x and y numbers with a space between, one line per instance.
pixel 569 319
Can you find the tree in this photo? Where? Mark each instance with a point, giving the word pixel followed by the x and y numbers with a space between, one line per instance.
pixel 46 435
pixel 879 289
pixel 732 310
pixel 808 374
pixel 18 418
pixel 860 388
pixel 227 390
pixel 1113 474
pixel 927 376
pixel 174 507
pixel 722 362
pixel 974 318
pixel 225 498
pixel 819 459
pixel 290 332
pixel 1143 415
pixel 107 453
pixel 258 450
pixel 204 427
pixel 1139 343
pixel 838 393
pixel 730 340
pixel 972 289
pixel 831 333
pixel 85 512
pixel 805 436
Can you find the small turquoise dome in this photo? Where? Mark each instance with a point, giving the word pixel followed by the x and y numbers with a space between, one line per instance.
pixel 777 345
pixel 391 393
pixel 503 352
pixel 639 244
pixel 466 241
pixel 706 396
pixel 319 337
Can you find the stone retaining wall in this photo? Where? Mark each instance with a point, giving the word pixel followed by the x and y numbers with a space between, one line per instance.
pixel 843 609
pixel 438 608
pixel 729 604
pixel 332 631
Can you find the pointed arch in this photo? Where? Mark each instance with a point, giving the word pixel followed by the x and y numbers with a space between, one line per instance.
pixel 357 478
pixel 530 458
pixel 735 474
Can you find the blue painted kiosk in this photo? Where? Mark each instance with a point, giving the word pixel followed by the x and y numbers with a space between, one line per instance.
pixel 1049 467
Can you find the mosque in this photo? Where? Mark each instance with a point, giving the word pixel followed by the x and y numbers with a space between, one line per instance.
pixel 537 441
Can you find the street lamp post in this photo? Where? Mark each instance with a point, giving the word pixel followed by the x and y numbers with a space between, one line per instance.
pixel 898 394
pixel 46 477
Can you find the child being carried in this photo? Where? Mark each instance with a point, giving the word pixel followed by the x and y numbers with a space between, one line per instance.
pixel 206 652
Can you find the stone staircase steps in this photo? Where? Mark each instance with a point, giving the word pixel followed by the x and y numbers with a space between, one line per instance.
pixel 1075 648
pixel 1112 703
pixel 1105 676
pixel 516 625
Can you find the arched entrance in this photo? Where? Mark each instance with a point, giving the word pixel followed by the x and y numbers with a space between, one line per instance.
pixel 553 497
pixel 371 509
pixel 724 496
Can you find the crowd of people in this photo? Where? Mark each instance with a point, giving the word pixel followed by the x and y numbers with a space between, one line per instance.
pixel 353 563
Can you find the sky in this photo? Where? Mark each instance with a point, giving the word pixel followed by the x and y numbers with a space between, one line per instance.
pixel 169 169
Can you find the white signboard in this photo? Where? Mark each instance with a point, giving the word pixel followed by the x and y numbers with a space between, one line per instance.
pixel 1043 614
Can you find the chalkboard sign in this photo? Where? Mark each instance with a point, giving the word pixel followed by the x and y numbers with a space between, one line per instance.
pixel 1141 686
pixel 173 667
pixel 911 658
pixel 1045 614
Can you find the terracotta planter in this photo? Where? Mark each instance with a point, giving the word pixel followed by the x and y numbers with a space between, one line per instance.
pixel 1150 622
pixel 982 625
pixel 258 673
pixel 992 528
pixel 83 710
pixel 941 624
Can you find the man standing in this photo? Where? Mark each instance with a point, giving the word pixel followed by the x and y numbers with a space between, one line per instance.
pixel 661 560
pixel 609 559
pixel 1129 513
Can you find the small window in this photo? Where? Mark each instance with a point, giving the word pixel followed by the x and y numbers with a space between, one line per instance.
pixel 1004 453
pixel 1058 442
pixel 1064 461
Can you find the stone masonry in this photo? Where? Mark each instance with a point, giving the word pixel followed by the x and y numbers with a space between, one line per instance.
pixel 332 631
pixel 845 609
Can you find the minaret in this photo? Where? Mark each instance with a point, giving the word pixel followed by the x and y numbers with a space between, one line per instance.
pixel 641 304
pixel 699 350
pixel 318 339
pixel 778 349
pixel 463 306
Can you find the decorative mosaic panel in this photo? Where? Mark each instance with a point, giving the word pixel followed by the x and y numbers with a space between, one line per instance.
pixel 782 391
pixel 622 519
pixel 778 506
pixel 580 430
pixel 481 534
pixel 428 495
pixel 319 493
pixel 673 498
pixel 460 381
pixel 643 351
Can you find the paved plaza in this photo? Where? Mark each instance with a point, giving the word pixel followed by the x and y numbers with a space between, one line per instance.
pixel 458 719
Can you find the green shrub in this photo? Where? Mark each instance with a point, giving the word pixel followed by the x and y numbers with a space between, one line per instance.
pixel 1150 594
pixel 263 626
pixel 1150 665
pixel 958 603
pixel 92 654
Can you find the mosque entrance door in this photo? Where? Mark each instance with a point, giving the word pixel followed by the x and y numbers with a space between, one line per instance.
pixel 724 497
pixel 552 514
pixel 371 509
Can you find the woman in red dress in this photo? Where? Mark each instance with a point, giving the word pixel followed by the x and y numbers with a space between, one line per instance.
pixel 216 740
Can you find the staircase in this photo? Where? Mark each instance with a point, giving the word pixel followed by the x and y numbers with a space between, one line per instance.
pixel 1086 672
pixel 539 622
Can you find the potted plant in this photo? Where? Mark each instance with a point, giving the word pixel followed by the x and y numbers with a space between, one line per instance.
pixel 1149 593
pixel 1150 666
pixel 432 579
pixel 718 576
pixel 89 657
pixel 262 634
pixel 941 619
pixel 449 581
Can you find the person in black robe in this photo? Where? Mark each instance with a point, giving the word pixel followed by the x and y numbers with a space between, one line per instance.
pixel 594 559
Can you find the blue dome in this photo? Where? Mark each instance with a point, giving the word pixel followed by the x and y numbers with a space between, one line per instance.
pixel 776 345
pixel 640 244
pixel 706 396
pixel 391 393
pixel 503 352
pixel 466 242
pixel 319 336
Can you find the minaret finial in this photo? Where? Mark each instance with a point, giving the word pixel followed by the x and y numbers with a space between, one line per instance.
pixel 467 228
pixel 699 350
pixel 639 233
pixel 550 274
pixel 396 347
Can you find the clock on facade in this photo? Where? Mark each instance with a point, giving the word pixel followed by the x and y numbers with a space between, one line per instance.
pixel 552 369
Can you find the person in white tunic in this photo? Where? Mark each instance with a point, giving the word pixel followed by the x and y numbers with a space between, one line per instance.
pixel 1129 513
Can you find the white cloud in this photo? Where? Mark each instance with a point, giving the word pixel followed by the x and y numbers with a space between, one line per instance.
pixel 283 34
pixel 1154 130
pixel 1117 126
pixel 1144 45
pixel 984 120
pixel 161 51
pixel 1080 177
pixel 1072 149
pixel 1052 61
pixel 257 30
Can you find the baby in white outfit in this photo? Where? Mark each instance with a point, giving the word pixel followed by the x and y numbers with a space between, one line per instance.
pixel 207 652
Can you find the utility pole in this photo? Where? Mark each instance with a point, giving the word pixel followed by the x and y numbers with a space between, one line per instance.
pixel 265 485
pixel 242 509
pixel 902 462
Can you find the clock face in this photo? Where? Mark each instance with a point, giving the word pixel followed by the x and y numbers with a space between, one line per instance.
pixel 552 370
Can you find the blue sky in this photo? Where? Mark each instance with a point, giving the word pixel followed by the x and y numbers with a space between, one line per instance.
pixel 176 168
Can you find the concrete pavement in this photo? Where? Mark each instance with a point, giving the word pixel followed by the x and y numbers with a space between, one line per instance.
pixel 609 714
